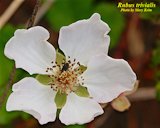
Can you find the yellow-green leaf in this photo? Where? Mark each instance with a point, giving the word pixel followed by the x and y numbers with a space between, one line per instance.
pixel 44 79
pixel 82 91
pixel 59 58
pixel 82 68
pixel 158 90
pixel 60 99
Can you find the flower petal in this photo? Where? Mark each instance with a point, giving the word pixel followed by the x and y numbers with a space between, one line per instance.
pixel 32 97
pixel 84 39
pixel 106 78
pixel 30 50
pixel 79 110
pixel 133 90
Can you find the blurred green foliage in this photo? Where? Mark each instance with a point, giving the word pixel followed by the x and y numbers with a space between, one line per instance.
pixel 6 66
pixel 158 91
pixel 156 65
pixel 65 12
pixel 111 15
pixel 151 15
pixel 7 117
pixel 156 56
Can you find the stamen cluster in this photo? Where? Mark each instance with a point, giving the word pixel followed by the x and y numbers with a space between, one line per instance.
pixel 65 76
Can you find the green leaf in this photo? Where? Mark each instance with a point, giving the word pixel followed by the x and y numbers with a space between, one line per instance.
pixel 75 126
pixel 5 64
pixel 157 75
pixel 82 68
pixel 44 79
pixel 151 15
pixel 60 99
pixel 82 91
pixel 59 58
pixel 65 12
pixel 114 18
pixel 158 90
pixel 156 56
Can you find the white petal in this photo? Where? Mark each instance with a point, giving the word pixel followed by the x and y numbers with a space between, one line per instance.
pixel 30 50
pixel 34 98
pixel 79 110
pixel 106 78
pixel 85 38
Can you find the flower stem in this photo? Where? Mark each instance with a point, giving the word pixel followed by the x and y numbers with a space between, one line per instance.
pixel 32 19
pixel 10 82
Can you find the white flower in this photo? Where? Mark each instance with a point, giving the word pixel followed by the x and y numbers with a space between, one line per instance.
pixel 84 43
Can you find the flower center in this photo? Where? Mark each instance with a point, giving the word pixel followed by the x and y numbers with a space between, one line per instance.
pixel 65 78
